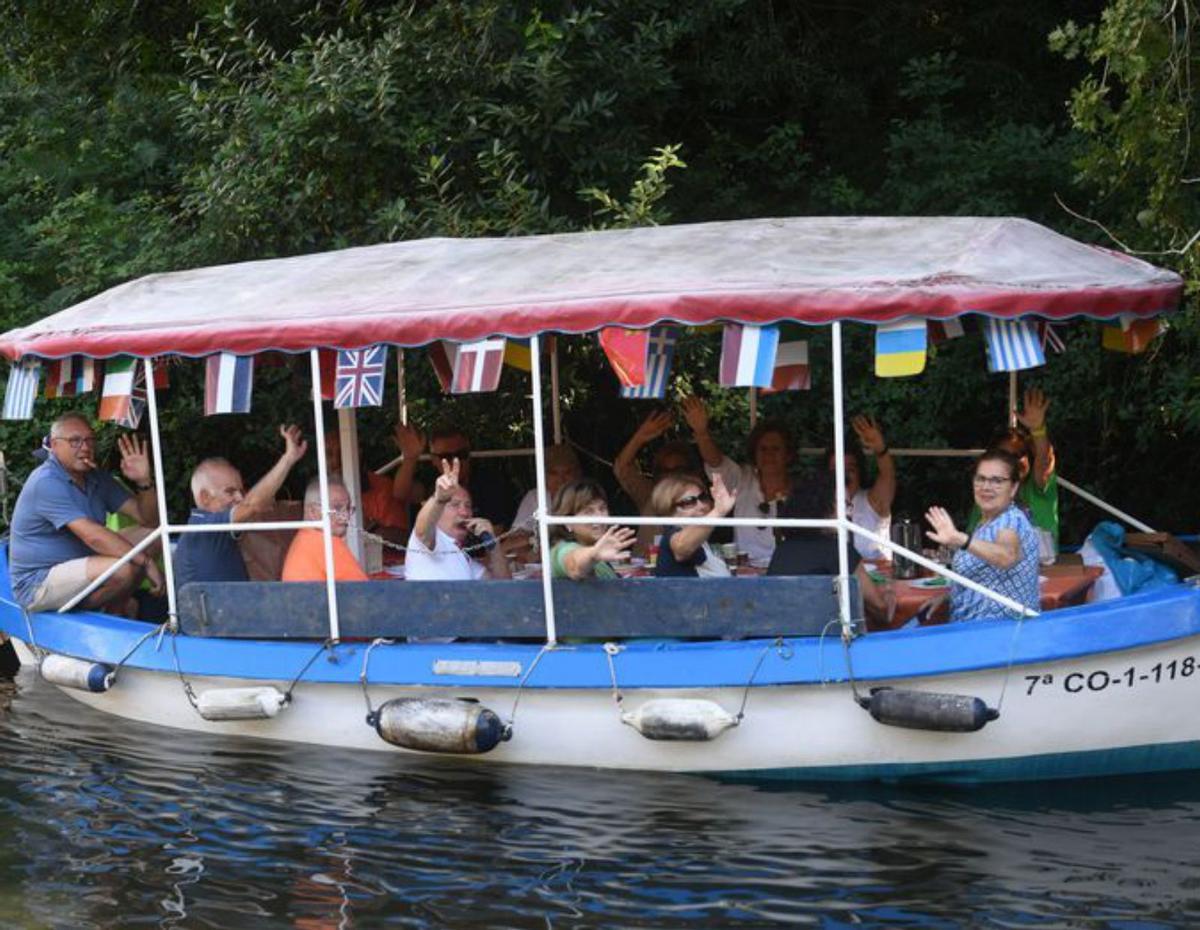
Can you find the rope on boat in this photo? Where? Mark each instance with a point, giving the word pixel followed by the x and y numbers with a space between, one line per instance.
pixel 512 715
pixel 187 688
pixel 1012 656
pixel 141 639
pixel 38 651
pixel 785 651
pixel 610 650
pixel 362 676
pixel 287 695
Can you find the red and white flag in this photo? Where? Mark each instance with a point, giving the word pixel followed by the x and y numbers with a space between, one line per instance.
pixel 792 372
pixel 943 330
pixel 477 366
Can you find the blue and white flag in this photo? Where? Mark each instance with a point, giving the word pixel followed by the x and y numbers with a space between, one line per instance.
pixel 1012 345
pixel 660 352
pixel 22 389
pixel 748 355
pixel 359 378
pixel 228 383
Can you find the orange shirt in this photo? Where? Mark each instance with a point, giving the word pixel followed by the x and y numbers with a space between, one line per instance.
pixel 306 559
pixel 378 505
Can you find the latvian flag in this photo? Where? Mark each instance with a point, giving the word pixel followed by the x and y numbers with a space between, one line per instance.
pixel 1012 345
pixel 443 357
pixel 360 374
pixel 660 352
pixel 22 389
pixel 748 355
pixel 228 383
pixel 477 366
pixel 71 376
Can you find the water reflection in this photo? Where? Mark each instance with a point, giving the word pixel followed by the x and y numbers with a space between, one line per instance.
pixel 114 824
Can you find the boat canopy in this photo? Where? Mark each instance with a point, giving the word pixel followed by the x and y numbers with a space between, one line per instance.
pixel 812 270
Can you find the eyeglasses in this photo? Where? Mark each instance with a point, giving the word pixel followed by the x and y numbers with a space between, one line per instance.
pixel 461 454
pixel 344 513
pixel 77 442
pixel 990 481
pixel 692 499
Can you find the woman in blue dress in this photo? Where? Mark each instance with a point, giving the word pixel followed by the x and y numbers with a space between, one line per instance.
pixel 1001 553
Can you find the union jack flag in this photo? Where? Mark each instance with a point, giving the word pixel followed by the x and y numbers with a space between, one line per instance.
pixel 360 377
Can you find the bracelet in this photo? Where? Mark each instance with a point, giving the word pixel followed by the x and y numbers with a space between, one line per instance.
pixel 145 487
pixel 1038 433
pixel 967 545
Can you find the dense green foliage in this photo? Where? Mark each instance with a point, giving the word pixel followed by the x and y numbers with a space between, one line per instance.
pixel 149 137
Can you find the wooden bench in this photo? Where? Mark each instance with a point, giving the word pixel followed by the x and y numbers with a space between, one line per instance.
pixel 701 608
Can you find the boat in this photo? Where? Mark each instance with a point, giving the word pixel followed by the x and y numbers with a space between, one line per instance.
pixel 768 678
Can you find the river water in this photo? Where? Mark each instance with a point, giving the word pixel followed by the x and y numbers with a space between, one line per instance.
pixel 107 823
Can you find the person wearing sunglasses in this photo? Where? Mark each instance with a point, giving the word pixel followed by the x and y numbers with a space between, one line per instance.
pixel 685 551
pixel 306 555
pixel 586 550
pixel 1001 553
pixel 492 496
pixel 59 543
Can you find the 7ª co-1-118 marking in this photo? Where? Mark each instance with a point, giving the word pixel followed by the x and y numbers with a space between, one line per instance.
pixel 1100 679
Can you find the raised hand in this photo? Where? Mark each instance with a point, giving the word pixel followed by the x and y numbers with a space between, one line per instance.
pixel 1033 412
pixel 869 434
pixel 294 444
pixel 409 440
pixel 135 463
pixel 614 544
pixel 696 413
pixel 447 482
pixel 481 525
pixel 944 532
pixel 723 498
pixel 654 426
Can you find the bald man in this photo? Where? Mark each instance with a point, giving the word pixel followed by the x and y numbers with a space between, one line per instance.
pixel 218 492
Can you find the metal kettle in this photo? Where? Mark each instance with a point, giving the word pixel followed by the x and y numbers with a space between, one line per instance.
pixel 907 534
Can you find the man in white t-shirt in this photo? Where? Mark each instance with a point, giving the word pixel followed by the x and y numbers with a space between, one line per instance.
pixel 444 528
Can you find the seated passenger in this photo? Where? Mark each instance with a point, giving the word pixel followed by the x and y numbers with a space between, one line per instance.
pixel 669 457
pixel 446 533
pixel 585 550
pixel 218 492
pixel 1030 443
pixel 59 543
pixel 870 508
pixel 306 556
pixel 760 486
pixel 1001 553
pixel 684 551
pixel 562 467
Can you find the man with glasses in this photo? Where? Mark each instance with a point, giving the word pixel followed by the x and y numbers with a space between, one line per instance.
pixel 490 497
pixel 59 541
pixel 306 556
pixel 220 498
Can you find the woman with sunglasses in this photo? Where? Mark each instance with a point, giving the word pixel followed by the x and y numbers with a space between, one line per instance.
pixel 1001 553
pixel 586 550
pixel 684 551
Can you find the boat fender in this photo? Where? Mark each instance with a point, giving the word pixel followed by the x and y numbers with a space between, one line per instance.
pixel 79 674
pixel 240 703
pixel 689 719
pixel 463 727
pixel 928 710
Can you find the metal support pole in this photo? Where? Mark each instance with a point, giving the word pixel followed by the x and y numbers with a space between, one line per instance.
pixel 1012 399
pixel 323 474
pixel 543 500
pixel 401 387
pixel 160 492
pixel 555 411
pixel 839 458
pixel 753 407
pixel 351 476
pixel 107 573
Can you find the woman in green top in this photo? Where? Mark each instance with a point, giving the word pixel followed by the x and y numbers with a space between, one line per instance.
pixel 586 549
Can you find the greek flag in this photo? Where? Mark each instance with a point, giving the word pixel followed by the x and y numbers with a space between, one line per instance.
pixel 660 352
pixel 23 380
pixel 1012 345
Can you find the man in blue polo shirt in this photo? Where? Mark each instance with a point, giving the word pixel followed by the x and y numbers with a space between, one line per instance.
pixel 59 541
pixel 218 492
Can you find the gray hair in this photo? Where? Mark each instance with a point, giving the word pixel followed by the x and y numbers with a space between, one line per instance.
pixel 312 492
pixel 71 416
pixel 202 474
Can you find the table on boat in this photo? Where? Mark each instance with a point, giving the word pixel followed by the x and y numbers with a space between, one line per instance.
pixel 1059 586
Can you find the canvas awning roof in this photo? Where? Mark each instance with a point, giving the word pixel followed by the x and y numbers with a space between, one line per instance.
pixel 810 269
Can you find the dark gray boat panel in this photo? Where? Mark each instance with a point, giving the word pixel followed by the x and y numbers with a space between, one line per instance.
pixel 704 608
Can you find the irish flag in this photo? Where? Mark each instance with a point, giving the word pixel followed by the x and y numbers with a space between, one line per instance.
pixel 116 399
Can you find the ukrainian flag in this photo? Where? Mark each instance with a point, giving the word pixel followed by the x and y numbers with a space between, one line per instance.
pixel 900 348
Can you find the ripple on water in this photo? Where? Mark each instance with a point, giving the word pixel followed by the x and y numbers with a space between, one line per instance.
pixel 115 824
